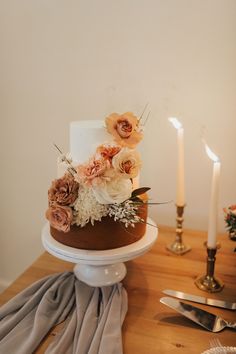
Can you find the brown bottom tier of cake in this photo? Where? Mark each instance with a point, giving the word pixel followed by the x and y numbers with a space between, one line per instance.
pixel 103 235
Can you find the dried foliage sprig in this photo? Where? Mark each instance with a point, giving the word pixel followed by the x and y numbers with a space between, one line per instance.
pixel 71 168
pixel 125 212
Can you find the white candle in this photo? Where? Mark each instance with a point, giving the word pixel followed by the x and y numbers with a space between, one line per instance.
pixel 180 193
pixel 213 211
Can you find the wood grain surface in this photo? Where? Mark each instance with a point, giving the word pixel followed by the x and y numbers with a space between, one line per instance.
pixel 151 327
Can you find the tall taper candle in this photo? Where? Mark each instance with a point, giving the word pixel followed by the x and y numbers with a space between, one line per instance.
pixel 214 199
pixel 180 196
pixel 180 193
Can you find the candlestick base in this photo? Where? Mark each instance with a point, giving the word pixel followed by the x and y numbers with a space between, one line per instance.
pixel 209 284
pixel 178 247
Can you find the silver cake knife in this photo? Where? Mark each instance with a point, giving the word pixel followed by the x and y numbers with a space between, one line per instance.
pixel 201 300
pixel 205 319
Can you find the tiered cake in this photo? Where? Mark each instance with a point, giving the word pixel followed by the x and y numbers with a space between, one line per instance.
pixel 94 204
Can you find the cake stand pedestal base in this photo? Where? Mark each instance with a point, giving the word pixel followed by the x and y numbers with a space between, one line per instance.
pixel 100 275
pixel 100 268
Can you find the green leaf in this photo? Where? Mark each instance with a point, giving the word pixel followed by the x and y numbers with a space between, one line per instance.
pixel 139 191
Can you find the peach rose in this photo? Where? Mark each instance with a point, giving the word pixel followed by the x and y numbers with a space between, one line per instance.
pixel 124 128
pixel 127 163
pixel 233 209
pixel 108 151
pixel 60 217
pixel 63 191
pixel 95 172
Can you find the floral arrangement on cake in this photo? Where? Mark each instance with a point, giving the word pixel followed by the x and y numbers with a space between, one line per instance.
pixel 230 220
pixel 103 185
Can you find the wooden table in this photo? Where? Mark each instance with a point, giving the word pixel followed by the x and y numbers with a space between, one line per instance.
pixel 150 327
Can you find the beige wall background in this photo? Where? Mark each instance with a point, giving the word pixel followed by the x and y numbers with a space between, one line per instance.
pixel 78 59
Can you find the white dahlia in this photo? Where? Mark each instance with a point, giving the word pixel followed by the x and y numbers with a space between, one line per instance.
pixel 87 209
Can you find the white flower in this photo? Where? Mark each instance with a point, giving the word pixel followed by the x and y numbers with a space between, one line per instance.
pixel 115 191
pixel 87 208
pixel 127 163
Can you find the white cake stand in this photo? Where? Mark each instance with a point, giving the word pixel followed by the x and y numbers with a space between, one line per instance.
pixel 100 268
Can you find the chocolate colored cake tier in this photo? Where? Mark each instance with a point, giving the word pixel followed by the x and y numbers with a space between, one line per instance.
pixel 103 235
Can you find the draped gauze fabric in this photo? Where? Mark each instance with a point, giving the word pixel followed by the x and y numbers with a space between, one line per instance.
pixel 92 317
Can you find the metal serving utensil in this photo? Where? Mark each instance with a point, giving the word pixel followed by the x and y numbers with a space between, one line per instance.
pixel 205 319
pixel 201 300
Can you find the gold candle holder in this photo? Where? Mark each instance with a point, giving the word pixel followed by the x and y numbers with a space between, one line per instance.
pixel 178 247
pixel 208 282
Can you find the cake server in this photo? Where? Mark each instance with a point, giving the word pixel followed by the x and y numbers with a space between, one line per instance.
pixel 201 300
pixel 205 319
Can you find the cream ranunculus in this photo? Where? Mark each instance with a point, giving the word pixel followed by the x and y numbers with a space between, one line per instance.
pixel 127 163
pixel 115 191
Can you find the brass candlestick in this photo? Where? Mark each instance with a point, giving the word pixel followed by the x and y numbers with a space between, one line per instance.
pixel 178 247
pixel 208 282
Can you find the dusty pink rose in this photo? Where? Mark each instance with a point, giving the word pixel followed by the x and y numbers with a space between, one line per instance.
pixel 124 128
pixel 63 191
pixel 60 217
pixel 95 172
pixel 108 151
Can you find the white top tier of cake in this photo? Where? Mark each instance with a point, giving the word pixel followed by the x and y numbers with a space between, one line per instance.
pixel 85 137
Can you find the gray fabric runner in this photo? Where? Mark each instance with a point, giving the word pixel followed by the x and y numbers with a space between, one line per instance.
pixel 93 317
